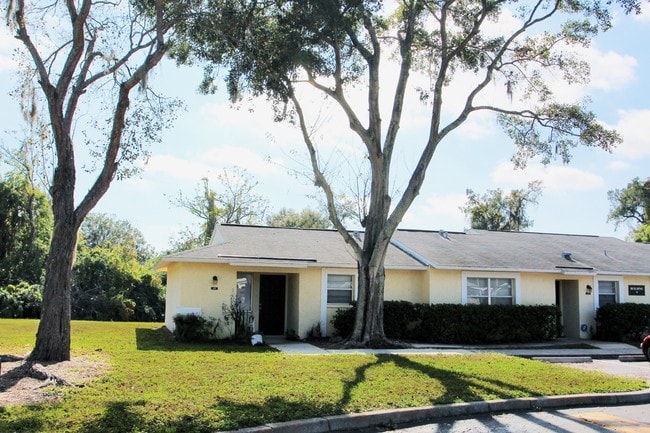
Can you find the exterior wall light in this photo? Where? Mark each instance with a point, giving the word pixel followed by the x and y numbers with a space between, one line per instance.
pixel 589 290
pixel 215 280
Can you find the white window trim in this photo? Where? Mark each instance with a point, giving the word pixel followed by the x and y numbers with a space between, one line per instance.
pixel 620 295
pixel 324 304
pixel 488 274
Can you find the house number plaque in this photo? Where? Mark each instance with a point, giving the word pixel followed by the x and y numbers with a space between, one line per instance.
pixel 636 290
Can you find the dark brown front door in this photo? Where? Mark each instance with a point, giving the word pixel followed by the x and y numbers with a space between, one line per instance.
pixel 272 301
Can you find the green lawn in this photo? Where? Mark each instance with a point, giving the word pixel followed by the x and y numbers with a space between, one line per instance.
pixel 157 385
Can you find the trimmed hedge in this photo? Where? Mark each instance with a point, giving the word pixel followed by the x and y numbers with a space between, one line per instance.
pixel 627 322
pixel 194 328
pixel 461 324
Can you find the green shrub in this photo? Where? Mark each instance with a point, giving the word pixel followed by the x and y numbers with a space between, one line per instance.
pixel 625 322
pixel 21 301
pixel 194 328
pixel 460 324
pixel 343 321
pixel 400 317
pixel 486 324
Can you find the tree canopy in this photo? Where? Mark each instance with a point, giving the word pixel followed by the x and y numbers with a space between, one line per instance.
pixel 25 228
pixel 102 230
pixel 308 219
pixel 632 204
pixel 496 210
pixel 342 48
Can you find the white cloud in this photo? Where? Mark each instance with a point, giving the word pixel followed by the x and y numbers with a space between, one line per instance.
pixel 177 168
pixel 554 177
pixel 609 70
pixel 437 212
pixel 633 127
pixel 618 165
pixel 226 156
pixel 211 163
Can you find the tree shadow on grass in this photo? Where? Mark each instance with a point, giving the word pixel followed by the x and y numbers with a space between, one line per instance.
pixel 29 422
pixel 461 387
pixel 161 339
pixel 274 409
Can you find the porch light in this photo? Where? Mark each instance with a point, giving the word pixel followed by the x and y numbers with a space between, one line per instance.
pixel 215 280
pixel 589 290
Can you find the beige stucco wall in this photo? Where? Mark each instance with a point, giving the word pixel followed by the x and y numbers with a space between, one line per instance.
pixel 537 289
pixel 445 287
pixel 310 300
pixel 406 285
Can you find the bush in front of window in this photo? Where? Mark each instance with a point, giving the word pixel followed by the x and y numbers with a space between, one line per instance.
pixel 625 322
pixel 194 328
pixel 487 324
pixel 343 320
pixel 461 324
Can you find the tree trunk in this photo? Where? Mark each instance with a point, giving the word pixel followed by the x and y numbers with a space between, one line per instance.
pixel 369 321
pixel 53 336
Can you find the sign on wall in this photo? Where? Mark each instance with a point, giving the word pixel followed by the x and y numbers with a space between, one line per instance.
pixel 636 290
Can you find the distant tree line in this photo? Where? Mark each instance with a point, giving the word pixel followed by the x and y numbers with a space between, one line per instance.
pixel 111 277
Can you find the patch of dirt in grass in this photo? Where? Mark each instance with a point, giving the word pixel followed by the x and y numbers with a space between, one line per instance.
pixel 27 382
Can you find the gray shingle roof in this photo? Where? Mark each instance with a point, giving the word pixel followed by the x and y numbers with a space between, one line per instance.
pixel 307 247
pixel 416 249
pixel 543 252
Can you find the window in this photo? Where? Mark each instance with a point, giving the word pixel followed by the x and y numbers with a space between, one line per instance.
pixel 244 286
pixel 339 289
pixel 607 292
pixel 490 291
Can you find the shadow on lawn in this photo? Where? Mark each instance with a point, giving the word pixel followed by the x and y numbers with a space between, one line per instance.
pixel 161 339
pixel 29 422
pixel 124 416
pixel 461 387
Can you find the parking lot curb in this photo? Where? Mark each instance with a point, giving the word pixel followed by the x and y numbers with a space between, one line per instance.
pixel 391 418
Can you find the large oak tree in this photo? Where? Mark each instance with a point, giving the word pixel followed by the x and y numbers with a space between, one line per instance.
pixel 83 60
pixel 343 47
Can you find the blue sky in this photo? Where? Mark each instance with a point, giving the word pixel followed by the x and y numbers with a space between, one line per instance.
pixel 210 135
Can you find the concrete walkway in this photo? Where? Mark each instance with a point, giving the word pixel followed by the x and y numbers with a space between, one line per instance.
pixel 561 348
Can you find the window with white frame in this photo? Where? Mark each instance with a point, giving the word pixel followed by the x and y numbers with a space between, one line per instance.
pixel 490 291
pixel 340 288
pixel 607 292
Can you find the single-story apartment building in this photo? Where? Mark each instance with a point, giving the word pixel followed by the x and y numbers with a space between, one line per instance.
pixel 293 280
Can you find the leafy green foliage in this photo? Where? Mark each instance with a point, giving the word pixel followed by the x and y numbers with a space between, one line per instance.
pixel 194 328
pixel 495 210
pixel 158 385
pixel 461 324
pixel 308 219
pixel 25 229
pixel 627 322
pixel 632 204
pixel 102 230
pixel 110 284
pixel 22 300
